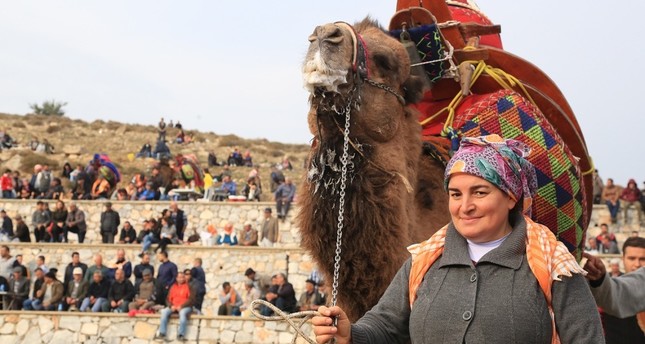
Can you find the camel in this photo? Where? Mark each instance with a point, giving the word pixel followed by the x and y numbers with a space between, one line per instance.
pixel 394 194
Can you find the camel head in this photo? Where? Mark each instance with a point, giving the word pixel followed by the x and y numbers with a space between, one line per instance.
pixel 361 67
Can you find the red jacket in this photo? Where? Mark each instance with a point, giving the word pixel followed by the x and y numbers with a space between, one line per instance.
pixel 180 295
pixel 6 182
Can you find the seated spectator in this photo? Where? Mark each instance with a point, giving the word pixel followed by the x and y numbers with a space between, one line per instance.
pixel 71 267
pixel 629 197
pixel 248 235
pixel 604 229
pixel 592 246
pixel 40 263
pixel 198 276
pixel 36 296
pixel 144 292
pixel 251 190
pixel 180 300
pixel 18 264
pixel 611 197
pixel 119 263
pixel 235 158
pixel 120 295
pixel 249 294
pixel 145 151
pixel 230 299
pixel 162 151
pixel 98 266
pixel 97 293
pixel 168 234
pixel 262 282
pixel 277 178
pixel 22 231
pixel 51 292
pixel 179 139
pixel 25 190
pixel 229 186
pixel 41 218
pixel 67 170
pixel 607 246
pixel 101 188
pixel 128 234
pixel 76 290
pixel 284 196
pixel 286 164
pixel 228 237
pixel 18 290
pixel 282 295
pixel 59 217
pixel 6 231
pixel 212 159
pixel 82 187
pixel 614 268
pixel 126 194
pixel 309 299
pixel 6 184
pixel 149 193
pixel 139 268
pixel 149 235
pixel 55 190
pixel 75 223
pixel 248 160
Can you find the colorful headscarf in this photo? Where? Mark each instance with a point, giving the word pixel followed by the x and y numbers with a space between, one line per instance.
pixel 500 162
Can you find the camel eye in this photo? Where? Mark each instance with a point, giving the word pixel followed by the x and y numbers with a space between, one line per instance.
pixel 384 62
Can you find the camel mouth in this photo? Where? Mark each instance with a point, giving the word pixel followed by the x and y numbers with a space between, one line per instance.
pixel 317 74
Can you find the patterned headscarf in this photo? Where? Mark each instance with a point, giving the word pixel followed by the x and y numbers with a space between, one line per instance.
pixel 498 161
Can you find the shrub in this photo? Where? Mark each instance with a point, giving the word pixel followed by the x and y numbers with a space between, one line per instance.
pixel 19 125
pixel 231 141
pixel 29 159
pixel 49 108
pixel 52 129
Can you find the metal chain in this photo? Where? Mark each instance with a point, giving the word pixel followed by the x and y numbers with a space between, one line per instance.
pixel 341 203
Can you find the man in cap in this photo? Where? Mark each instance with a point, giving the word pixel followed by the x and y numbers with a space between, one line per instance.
pixel 76 290
pixel 51 292
pixel 18 290
pixel 309 299
pixel 270 231
pixel 145 292
pixel 70 268
pixel 110 222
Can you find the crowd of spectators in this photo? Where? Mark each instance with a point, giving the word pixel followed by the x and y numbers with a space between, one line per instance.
pixel 618 198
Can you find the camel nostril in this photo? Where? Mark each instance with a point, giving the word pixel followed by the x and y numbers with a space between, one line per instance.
pixel 335 35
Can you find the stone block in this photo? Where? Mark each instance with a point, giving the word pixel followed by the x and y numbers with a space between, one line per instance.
pixel 45 325
pixel 227 337
pixel 32 336
pixel 62 337
pixel 90 329
pixel 244 337
pixel 70 323
pixel 144 330
pixel 7 328
pixel 122 329
pixel 22 327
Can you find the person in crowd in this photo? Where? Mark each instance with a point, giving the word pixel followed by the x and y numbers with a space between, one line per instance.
pixel 248 235
pixel 148 235
pixel 51 292
pixel 40 262
pixel 249 294
pixel 144 265
pixel 41 218
pixel 251 190
pixel 622 299
pixel 212 159
pixel 230 299
pixel 180 137
pixel 277 178
pixel 228 187
pixel 75 223
pixel 168 234
pixel 283 197
pixel 128 234
pixel 228 236
pixel 282 294
pixel 59 217
pixel 180 300
pixel 286 164
pixel 120 295
pixel 611 197
pixel 82 184
pixel 101 188
pixel 323 294
pixel 161 151
pixel 6 185
pixel 6 262
pixel 309 299
pixel 18 290
pixel 270 230
pixel 55 190
pixel 35 295
pixel 166 275
pixel 71 267
pixel 149 193
pixel 144 292
pixel 97 293
pixel 248 160
pixel 607 246
pixel 208 179
pixel 98 266
pixel 6 229
pixel 161 130
pixel 25 189
pixel 145 151
pixel 22 231
pixel 199 277
pixel 180 220
pixel 631 196
pixel 42 181
pixel 604 230
pixel 592 246
pixel 261 282
pixel 120 262
pixel 614 268
pixel 76 290
pixel 491 240
pixel 110 221
pixel 18 264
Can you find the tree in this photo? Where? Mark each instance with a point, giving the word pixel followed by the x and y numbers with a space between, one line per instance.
pixel 49 108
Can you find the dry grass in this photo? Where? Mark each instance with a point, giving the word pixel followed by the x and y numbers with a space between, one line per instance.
pixel 19 124
pixel 30 159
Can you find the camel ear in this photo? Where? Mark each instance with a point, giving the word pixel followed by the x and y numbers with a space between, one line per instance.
pixel 413 89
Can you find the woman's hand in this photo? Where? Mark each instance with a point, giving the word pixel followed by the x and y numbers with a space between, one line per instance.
pixel 324 330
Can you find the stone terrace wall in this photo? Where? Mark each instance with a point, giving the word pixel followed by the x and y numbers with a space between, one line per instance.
pixel 221 264
pixel 63 328
pixel 199 214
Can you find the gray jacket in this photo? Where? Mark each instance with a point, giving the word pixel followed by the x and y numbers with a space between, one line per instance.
pixel 77 218
pixel 497 301
pixel 622 296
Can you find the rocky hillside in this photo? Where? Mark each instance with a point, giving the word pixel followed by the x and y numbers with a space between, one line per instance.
pixel 75 141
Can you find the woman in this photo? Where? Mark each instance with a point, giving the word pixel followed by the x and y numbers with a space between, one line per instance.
pixel 490 276
pixel 67 170
pixel 59 216
pixel 168 234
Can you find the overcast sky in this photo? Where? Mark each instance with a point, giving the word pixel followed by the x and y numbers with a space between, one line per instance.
pixel 234 66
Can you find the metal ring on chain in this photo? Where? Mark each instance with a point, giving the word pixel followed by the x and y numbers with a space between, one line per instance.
pixel 302 316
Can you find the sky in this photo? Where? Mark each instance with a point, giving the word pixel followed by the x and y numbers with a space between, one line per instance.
pixel 234 67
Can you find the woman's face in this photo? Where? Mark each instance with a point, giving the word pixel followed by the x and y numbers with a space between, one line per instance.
pixel 479 209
